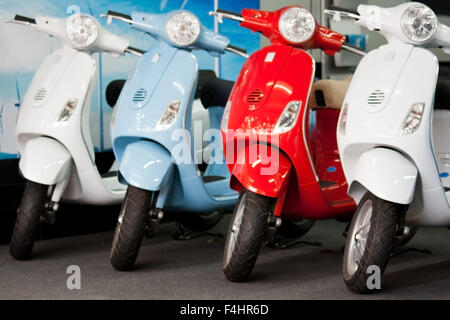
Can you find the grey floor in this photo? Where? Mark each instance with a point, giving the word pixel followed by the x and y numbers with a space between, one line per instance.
pixel 168 269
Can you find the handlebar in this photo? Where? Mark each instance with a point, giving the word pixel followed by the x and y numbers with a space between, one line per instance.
pixel 338 12
pixel 23 20
pixel 135 51
pixel 336 8
pixel 220 14
pixel 117 16
pixel 353 49
pixel 237 50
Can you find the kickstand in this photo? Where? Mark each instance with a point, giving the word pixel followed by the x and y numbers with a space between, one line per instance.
pixel 400 252
pixel 183 233
pixel 277 244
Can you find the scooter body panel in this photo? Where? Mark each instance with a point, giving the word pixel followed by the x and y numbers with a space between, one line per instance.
pixel 387 174
pixel 402 75
pixel 66 75
pixel 279 74
pixel 178 75
pixel 146 165
pixel 45 161
pixel 263 175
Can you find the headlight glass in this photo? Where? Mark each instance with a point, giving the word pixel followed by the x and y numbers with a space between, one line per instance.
pixel 297 25
pixel 288 117
pixel 67 112
pixel 169 116
pixel 419 23
pixel 413 119
pixel 183 28
pixel 82 30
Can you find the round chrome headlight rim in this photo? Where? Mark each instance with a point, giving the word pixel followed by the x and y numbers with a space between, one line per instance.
pixel 404 25
pixel 82 35
pixel 175 36
pixel 286 29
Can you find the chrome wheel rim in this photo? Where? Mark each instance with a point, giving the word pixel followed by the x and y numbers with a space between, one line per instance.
pixel 233 232
pixel 357 238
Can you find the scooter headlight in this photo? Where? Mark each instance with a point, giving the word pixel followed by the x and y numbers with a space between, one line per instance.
pixel 169 116
pixel 288 117
pixel 419 23
pixel 82 30
pixel 297 25
pixel 225 117
pixel 413 119
pixel 183 28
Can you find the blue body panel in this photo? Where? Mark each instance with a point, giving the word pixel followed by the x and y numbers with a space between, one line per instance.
pixel 146 165
pixel 161 76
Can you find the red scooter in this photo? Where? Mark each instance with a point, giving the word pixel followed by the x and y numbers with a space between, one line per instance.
pixel 281 168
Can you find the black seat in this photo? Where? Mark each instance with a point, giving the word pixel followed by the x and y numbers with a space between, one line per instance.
pixel 113 92
pixel 204 76
pixel 215 93
pixel 442 97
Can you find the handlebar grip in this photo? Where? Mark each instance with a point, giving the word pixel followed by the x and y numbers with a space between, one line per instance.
pixel 332 7
pixel 24 19
pixel 118 14
pixel 229 12
pixel 242 50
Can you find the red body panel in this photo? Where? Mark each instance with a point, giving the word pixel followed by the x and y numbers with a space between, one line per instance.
pixel 257 117
pixel 310 182
pixel 247 172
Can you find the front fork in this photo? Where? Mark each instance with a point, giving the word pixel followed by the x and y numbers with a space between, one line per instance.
pixel 54 196
pixel 155 216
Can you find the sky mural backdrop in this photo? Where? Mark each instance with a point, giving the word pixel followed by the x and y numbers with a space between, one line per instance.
pixel 23 49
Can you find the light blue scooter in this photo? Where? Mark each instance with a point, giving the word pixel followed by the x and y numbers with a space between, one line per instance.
pixel 153 134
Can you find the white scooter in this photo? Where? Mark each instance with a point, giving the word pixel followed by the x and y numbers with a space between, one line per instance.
pixel 393 137
pixel 53 134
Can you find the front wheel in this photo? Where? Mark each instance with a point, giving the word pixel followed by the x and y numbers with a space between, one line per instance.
pixel 130 228
pixel 26 229
pixel 371 239
pixel 246 235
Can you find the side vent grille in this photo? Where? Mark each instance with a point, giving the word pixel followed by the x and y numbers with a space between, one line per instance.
pixel 40 95
pixel 140 96
pixel 376 98
pixel 255 96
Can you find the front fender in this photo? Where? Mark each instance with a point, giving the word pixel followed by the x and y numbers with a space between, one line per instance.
pixel 386 173
pixel 146 165
pixel 45 160
pixel 267 175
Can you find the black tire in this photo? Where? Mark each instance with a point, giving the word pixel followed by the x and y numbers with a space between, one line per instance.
pixel 381 240
pixel 292 229
pixel 251 215
pixel 26 229
pixel 130 228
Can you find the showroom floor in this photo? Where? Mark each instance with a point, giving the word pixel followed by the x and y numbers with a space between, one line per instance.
pixel 168 269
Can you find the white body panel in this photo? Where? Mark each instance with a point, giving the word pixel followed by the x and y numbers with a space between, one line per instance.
pixel 46 161
pixel 67 74
pixel 386 84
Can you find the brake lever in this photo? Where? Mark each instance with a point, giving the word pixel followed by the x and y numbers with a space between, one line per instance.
pixel 338 15
pixel 225 14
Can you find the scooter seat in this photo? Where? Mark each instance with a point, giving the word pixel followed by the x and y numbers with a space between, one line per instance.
pixel 329 93
pixel 113 91
pixel 442 95
pixel 215 93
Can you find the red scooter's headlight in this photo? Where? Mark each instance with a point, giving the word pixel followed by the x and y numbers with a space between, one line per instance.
pixel 297 25
pixel 288 118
